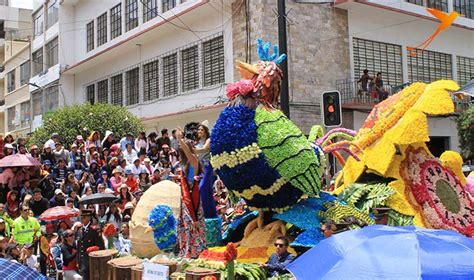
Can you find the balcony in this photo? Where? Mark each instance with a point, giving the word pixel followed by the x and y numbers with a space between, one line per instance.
pixel 352 96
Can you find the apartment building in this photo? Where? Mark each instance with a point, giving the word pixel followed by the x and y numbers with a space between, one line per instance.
pixel 167 61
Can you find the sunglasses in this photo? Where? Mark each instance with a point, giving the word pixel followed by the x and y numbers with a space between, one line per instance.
pixel 25 210
pixel 70 235
pixel 279 245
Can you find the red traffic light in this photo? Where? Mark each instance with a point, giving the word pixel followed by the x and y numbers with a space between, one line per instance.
pixel 331 108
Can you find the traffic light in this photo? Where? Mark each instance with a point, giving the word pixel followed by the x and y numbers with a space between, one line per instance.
pixel 331 108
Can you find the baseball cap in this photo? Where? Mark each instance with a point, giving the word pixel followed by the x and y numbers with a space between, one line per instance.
pixel 58 191
pixel 47 162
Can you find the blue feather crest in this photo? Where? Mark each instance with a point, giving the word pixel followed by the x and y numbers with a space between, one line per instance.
pixel 263 49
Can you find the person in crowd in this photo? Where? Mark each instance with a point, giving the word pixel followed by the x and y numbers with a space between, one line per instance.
pixel 129 154
pixel 77 168
pixel 151 140
pixel 191 226
pixel 70 184
pixel 62 226
pixel 47 186
pixel 113 216
pixel 52 141
pixel 88 236
pixel 168 156
pixel 28 258
pixel 91 149
pixel 26 229
pixel 174 143
pixel 154 155
pixel 3 247
pixel 128 139
pixel 13 253
pixel 112 164
pixel 207 182
pixel 25 189
pixel 128 212
pixel 94 139
pixel 60 171
pixel 94 170
pixel 144 182
pixel 8 149
pixel 364 82
pixel 156 177
pixel 73 202
pixel 47 155
pixel 22 150
pixel 381 93
pixel 116 181
pixel 38 204
pixel 60 153
pixel 148 167
pixel 141 145
pixel 328 228
pixel 9 139
pixel 122 165
pixel 13 204
pixel 87 192
pixel 101 189
pixel 115 151
pixel 55 250
pixel 87 180
pixel 34 151
pixel 108 140
pixel 44 242
pixel 124 196
pixel 58 199
pixel 136 167
pixel 277 262
pixel 164 139
pixel 130 180
pixel 104 179
pixel 136 197
pixel 69 256
pixel 4 215
pixel 81 145
pixel 122 243
pixel 4 229
pixel 75 154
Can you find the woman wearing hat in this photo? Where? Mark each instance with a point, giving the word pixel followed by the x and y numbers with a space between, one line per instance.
pixel 94 139
pixel 144 182
pixel 8 149
pixel 117 180
pixel 48 155
pixel 124 196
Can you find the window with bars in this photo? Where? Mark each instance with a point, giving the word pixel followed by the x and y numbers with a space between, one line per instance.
pixel 25 114
pixel 213 61
pixel 51 97
pixel 11 118
pixel 464 7
pixel 435 4
pixel 116 89
pixel 131 14
pixel 428 66
pixel 170 75
pixel 103 91
pixel 52 52
pixel 37 102
pixel 465 69
pixel 133 86
pixel 11 81
pixel 90 94
pixel 90 36
pixel 190 68
pixel 151 80
pixel 168 5
pixel 37 57
pixel 24 73
pixel 150 9
pixel 38 22
pixel 53 15
pixel 378 57
pixel 116 21
pixel 102 29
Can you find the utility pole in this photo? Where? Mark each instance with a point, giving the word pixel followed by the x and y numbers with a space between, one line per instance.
pixel 284 97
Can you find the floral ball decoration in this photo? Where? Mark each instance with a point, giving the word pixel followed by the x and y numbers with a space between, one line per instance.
pixel 163 223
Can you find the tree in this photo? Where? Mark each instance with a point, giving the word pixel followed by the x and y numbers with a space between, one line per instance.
pixel 466 132
pixel 82 119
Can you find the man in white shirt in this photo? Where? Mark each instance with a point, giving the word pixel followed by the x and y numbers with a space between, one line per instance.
pixel 129 154
pixel 52 142
pixel 136 167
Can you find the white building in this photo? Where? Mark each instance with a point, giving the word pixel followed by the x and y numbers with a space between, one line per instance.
pixel 166 60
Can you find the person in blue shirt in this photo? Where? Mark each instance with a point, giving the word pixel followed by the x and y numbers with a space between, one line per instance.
pixel 128 139
pixel 276 264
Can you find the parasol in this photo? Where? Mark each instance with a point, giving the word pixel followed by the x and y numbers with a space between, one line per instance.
pixel 467 89
pixel 12 270
pixel 19 160
pixel 98 198
pixel 59 213
pixel 384 252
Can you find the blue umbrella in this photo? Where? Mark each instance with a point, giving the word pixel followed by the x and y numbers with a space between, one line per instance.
pixel 383 252
pixel 13 270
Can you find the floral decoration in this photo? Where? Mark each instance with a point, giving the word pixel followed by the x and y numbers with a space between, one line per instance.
pixel 163 223
pixel 236 157
pixel 242 88
pixel 250 193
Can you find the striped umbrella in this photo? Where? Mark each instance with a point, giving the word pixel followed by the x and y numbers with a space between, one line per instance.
pixel 13 270
pixel 58 213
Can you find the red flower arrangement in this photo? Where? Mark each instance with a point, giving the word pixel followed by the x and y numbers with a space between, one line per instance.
pixel 109 230
pixel 230 254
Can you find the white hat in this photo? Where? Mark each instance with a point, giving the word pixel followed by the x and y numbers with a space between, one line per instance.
pixel 205 123
pixel 107 190
pixel 58 191
pixel 8 146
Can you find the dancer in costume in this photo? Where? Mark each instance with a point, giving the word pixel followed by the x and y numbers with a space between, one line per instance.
pixel 191 226
pixel 207 182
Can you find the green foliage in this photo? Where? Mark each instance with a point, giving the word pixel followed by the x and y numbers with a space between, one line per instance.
pixel 397 219
pixel 366 196
pixel 466 132
pixel 82 119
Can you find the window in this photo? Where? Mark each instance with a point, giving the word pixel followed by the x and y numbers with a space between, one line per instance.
pixel 53 7
pixel 11 80
pixel 428 66
pixel 378 57
pixel 190 68
pixel 38 21
pixel 150 80
pixel 131 14
pixel 51 97
pixel 25 114
pixel 213 61
pixel 168 5
pixel 132 80
pixel 24 73
pixel 102 29
pixel 90 94
pixel 465 69
pixel 11 118
pixel 464 7
pixel 116 89
pixel 90 36
pixel 37 101
pixel 150 9
pixel 116 21
pixel 103 91
pixel 170 75
pixel 435 4
pixel 37 62
pixel 52 52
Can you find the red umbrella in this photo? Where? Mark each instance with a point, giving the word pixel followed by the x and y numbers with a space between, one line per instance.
pixel 58 213
pixel 19 160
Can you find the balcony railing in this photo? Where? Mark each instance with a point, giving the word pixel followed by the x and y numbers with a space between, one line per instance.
pixel 352 95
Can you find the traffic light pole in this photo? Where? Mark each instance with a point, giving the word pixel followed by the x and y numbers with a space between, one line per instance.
pixel 284 96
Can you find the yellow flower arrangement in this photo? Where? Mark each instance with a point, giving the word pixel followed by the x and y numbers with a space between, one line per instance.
pixel 234 158
pixel 249 193
pixel 453 161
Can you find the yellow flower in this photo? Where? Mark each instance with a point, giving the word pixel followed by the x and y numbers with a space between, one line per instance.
pixel 453 161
